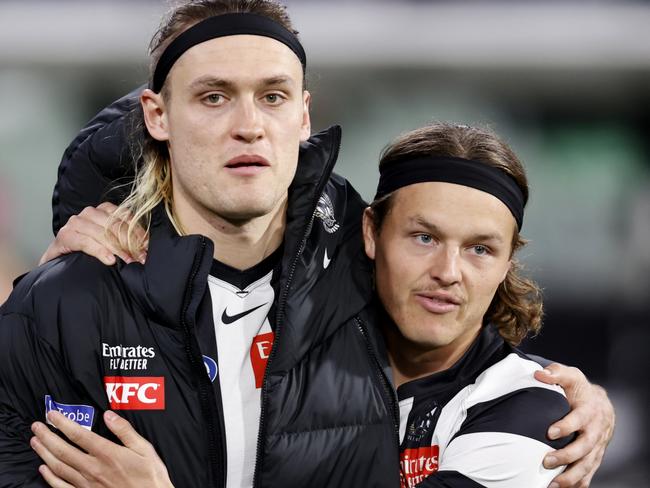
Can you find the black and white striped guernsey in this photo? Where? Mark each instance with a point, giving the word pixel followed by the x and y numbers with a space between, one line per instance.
pixel 481 423
pixel 243 306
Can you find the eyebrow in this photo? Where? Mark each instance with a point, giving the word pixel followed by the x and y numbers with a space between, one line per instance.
pixel 224 84
pixel 434 229
pixel 278 80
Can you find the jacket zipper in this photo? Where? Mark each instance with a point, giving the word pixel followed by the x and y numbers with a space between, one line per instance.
pixel 281 306
pixel 388 388
pixel 215 438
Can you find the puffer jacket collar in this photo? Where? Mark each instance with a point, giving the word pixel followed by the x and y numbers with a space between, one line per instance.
pixel 174 278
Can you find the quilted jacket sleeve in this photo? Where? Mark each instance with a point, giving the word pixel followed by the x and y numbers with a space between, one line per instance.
pixel 47 361
pixel 20 385
pixel 98 162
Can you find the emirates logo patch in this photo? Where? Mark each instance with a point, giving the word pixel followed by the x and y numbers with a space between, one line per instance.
pixel 416 464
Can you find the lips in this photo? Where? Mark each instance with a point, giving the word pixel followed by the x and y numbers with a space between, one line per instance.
pixel 247 165
pixel 247 160
pixel 438 302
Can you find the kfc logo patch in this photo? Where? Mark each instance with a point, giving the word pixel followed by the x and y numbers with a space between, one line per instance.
pixel 260 352
pixel 416 464
pixel 135 392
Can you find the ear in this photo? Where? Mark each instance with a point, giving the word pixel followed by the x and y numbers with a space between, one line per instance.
pixel 368 233
pixel 305 130
pixel 155 115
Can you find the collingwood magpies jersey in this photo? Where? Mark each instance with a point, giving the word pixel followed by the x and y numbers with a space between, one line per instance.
pixel 481 423
pixel 243 305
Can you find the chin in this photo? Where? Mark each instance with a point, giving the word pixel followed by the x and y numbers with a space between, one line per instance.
pixel 245 214
pixel 244 209
pixel 432 335
pixel 427 343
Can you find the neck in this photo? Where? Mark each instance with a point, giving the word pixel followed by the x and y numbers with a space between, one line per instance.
pixel 239 244
pixel 411 361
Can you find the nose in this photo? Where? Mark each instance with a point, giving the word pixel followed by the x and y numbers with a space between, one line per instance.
pixel 445 266
pixel 247 124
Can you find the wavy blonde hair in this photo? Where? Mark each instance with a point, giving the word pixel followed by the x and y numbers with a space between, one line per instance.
pixel 153 177
pixel 517 308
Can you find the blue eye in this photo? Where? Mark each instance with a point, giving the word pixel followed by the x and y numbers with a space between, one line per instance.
pixel 481 250
pixel 424 238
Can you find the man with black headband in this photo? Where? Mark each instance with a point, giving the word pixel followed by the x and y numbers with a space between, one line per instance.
pixel 224 121
pixel 229 349
pixel 442 231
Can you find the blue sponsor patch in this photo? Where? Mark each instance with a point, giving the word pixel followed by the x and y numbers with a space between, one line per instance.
pixel 82 414
pixel 211 367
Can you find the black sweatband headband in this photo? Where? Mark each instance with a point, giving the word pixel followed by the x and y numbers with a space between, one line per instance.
pixel 221 26
pixel 473 174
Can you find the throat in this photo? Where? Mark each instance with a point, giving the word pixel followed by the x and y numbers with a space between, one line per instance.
pixel 410 361
pixel 246 246
pixel 241 244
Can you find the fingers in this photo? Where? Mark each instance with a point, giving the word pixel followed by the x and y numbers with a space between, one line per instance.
pixel 571 379
pixel 68 240
pixel 593 416
pixel 50 253
pixel 115 230
pixel 59 448
pixel 126 433
pixel 86 439
pixel 53 480
pixel 57 470
pixel 582 419
pixel 116 233
pixel 98 224
pixel 96 233
pixel 546 375
pixel 577 475
pixel 80 234
pixel 583 446
pixel 107 207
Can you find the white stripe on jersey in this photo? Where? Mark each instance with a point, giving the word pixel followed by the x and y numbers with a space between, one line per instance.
pixel 237 351
pixel 467 451
pixel 510 374
pixel 487 458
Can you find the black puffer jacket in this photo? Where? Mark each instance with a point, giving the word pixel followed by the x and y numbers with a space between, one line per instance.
pixel 328 412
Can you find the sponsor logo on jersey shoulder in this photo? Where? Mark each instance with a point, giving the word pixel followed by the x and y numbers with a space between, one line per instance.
pixel 135 392
pixel 82 414
pixel 127 358
pixel 325 212
pixel 416 464
pixel 260 351
pixel 211 367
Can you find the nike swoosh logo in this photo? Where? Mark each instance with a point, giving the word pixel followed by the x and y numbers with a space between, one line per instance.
pixel 229 319
pixel 326 260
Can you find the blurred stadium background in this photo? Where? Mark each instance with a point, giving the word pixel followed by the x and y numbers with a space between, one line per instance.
pixel 567 83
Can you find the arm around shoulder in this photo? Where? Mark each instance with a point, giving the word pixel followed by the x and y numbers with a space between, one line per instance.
pixel 502 442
